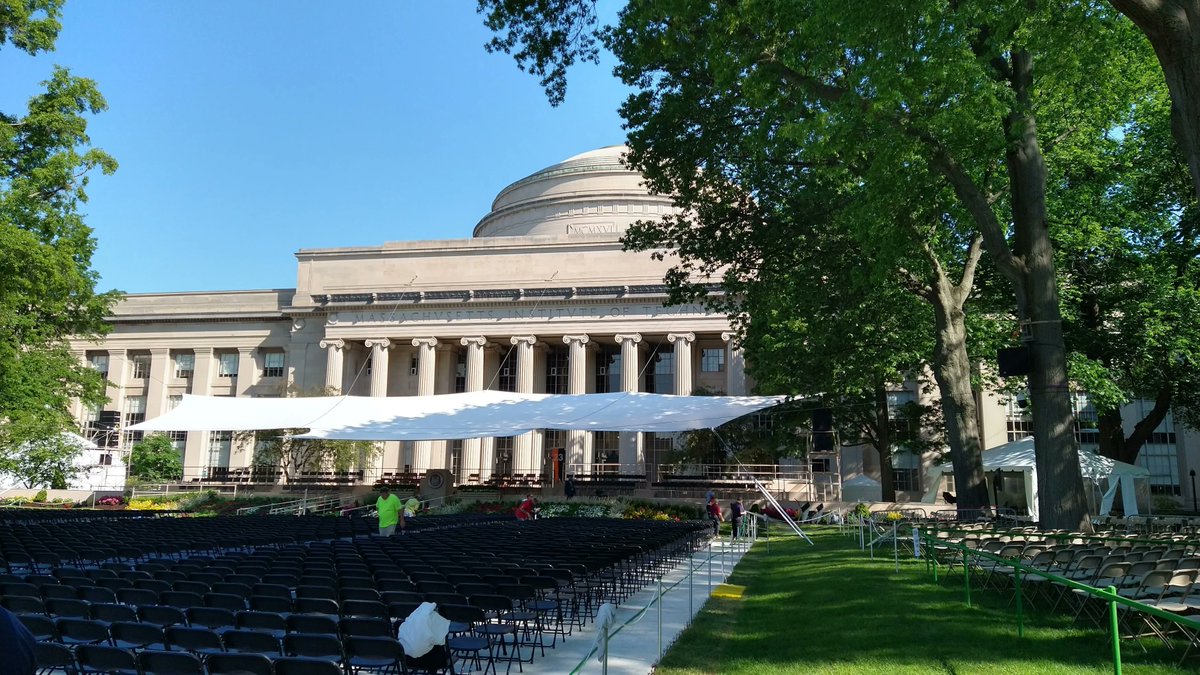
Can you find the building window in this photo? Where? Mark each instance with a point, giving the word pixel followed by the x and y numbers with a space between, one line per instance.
pixel 1020 425
pixel 272 364
pixel 135 413
pixel 460 372
pixel 607 445
pixel 504 455
pixel 185 365
pixel 139 366
pixel 507 380
pixel 712 360
pixel 901 424
pixel 907 480
pixel 413 364
pixel 227 366
pixel 456 453
pixel 906 471
pixel 173 401
pixel 661 378
pixel 99 363
pixel 219 443
pixel 557 371
pixel 608 370
pixel 178 440
pixel 1159 455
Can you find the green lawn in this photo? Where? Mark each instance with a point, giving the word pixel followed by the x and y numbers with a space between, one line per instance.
pixel 830 609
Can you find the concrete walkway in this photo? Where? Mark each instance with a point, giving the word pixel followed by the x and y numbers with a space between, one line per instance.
pixel 633 647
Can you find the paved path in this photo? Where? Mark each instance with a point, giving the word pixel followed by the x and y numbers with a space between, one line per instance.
pixel 633 647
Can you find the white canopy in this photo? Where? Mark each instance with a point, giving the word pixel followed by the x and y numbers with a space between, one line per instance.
pixel 1019 456
pixel 454 416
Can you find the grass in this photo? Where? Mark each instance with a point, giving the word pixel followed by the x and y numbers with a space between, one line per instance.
pixel 829 609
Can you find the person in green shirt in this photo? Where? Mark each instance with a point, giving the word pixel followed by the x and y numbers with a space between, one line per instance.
pixel 391 513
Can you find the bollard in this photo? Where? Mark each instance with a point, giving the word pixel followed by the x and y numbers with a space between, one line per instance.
pixel 895 547
pixel 1116 631
pixel 966 577
pixel 710 557
pixel 1020 618
pixel 604 650
pixel 691 562
pixel 660 613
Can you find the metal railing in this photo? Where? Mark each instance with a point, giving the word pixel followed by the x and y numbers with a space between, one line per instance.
pixel 931 544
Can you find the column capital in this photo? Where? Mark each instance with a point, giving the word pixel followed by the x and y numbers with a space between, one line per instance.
pixel 728 336
pixel 475 341
pixel 208 351
pixel 523 339
pixel 424 342
pixel 333 343
pixel 380 343
pixel 635 338
pixel 246 351
pixel 572 339
pixel 154 351
pixel 687 338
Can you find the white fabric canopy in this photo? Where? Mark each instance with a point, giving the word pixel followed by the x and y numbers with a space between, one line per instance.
pixel 1019 456
pixel 454 416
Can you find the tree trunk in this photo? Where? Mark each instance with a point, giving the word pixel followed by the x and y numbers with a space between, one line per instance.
pixel 1173 28
pixel 1112 434
pixel 1061 497
pixel 952 370
pixel 883 435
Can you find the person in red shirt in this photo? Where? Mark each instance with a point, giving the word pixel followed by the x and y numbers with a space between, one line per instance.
pixel 526 510
pixel 714 514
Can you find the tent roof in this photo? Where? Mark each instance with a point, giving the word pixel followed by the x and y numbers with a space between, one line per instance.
pixel 1019 456
pixel 453 416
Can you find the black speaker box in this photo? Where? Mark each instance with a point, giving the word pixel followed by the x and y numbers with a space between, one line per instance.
pixel 822 420
pixel 109 419
pixel 1013 361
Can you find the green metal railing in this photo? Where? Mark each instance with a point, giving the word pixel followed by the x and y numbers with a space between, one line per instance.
pixel 1022 569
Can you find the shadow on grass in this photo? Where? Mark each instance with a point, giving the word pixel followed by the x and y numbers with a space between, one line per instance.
pixel 830 609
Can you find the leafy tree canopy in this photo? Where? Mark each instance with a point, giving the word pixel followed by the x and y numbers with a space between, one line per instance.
pixel 47 286
pixel 155 460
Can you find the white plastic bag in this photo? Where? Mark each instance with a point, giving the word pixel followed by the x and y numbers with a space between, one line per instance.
pixel 423 629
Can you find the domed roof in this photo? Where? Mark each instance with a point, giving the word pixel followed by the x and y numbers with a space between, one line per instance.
pixel 590 193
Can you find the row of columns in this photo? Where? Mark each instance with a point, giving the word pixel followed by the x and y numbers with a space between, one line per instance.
pixel 478 455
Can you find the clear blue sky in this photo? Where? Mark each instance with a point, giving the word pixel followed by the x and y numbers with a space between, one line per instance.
pixel 248 130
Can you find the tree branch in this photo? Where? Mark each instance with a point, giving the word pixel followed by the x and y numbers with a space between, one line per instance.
pixel 974 253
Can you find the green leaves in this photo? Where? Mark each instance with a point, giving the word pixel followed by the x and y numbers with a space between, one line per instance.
pixel 47 285
pixel 155 460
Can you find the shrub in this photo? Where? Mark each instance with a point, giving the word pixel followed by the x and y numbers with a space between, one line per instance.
pixel 144 504
pixel 110 501
pixel 40 496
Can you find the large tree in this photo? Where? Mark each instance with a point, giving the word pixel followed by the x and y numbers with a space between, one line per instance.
pixel 915 102
pixel 47 286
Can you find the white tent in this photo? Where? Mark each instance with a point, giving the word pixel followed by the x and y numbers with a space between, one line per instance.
pixel 1019 457
pixel 454 416
pixel 862 488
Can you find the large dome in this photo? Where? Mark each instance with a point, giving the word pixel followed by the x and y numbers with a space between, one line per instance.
pixel 589 193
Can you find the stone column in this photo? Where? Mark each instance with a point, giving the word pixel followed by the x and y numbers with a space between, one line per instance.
pixel 379 387
pixel 334 348
pixel 577 359
pixel 426 368
pixel 683 361
pixel 379 365
pixel 118 379
pixel 631 455
pixel 247 374
pixel 735 366
pixel 242 447
pixel 195 453
pixel 472 458
pixel 156 386
pixel 524 460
